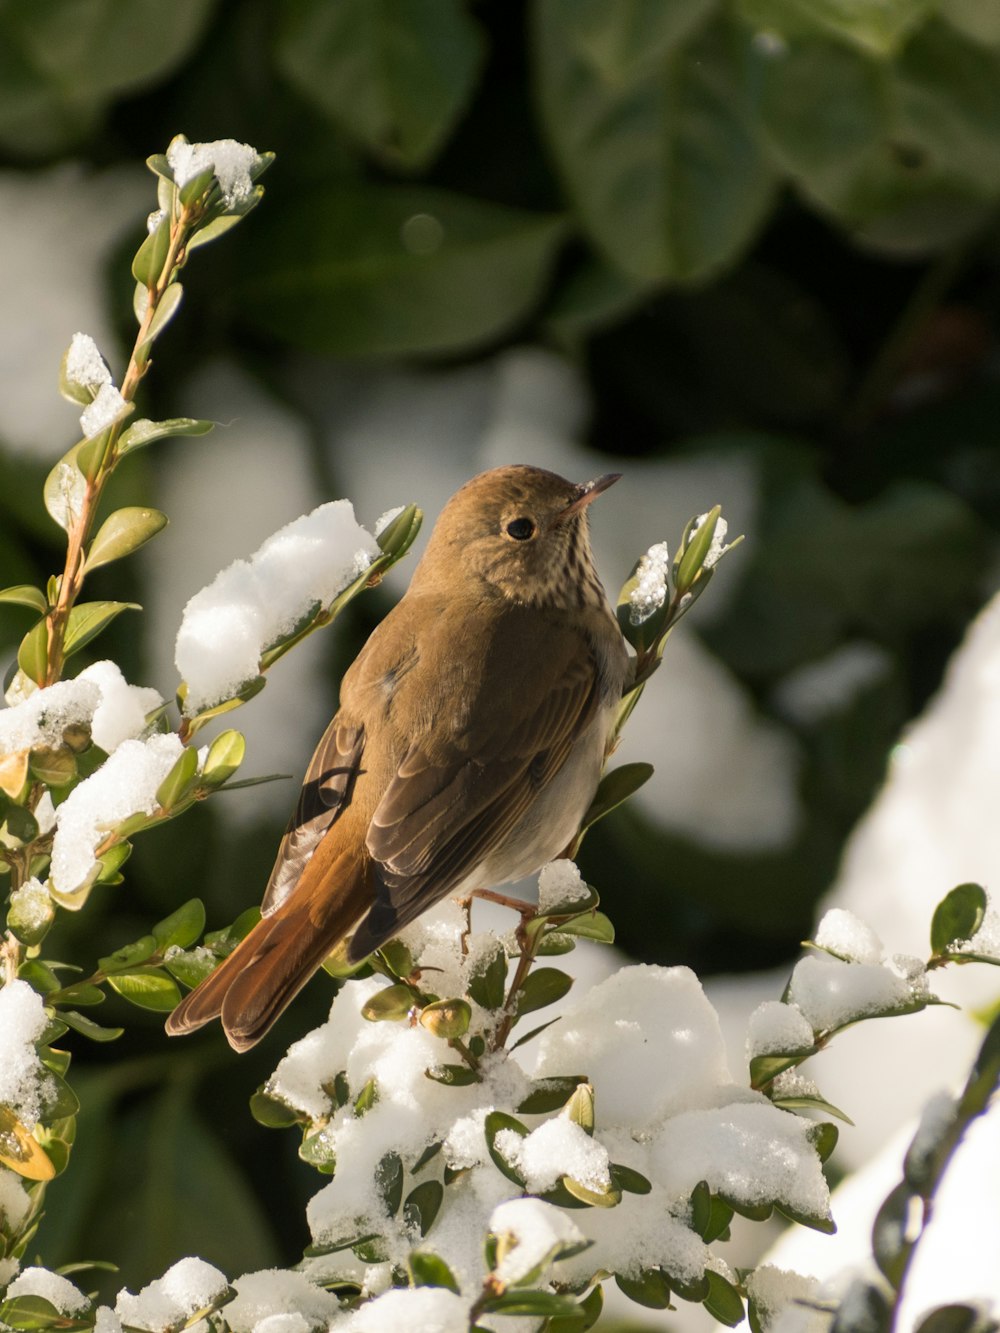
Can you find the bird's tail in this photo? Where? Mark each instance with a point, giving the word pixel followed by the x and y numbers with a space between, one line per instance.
pixel 268 968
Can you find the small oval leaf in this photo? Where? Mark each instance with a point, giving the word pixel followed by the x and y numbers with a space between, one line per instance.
pixel 23 594
pixel 123 532
pixel 88 619
pixel 541 987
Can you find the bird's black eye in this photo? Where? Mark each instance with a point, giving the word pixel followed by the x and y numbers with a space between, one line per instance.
pixel 520 529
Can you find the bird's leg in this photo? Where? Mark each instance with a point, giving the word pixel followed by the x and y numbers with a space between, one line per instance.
pixel 515 904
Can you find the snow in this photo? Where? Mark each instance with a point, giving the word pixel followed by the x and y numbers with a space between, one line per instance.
pixel 30 906
pixel 43 717
pixel 530 1231
pixel 104 411
pixel 557 1148
pixel 275 1292
pixel 847 936
pixel 24 1080
pixel 560 882
pixel 253 604
pixel 121 713
pixel 231 162
pixel 429 1309
pixel 188 1286
pixel 99 698
pixel 85 367
pixel 14 1200
pixel 647 1023
pixel 67 1298
pixel 831 993
pixel 777 1029
pixel 749 1151
pixel 65 502
pixel 773 1289
pixel 986 940
pixel 650 591
pixel 956 1257
pixel 123 786
pixel 718 547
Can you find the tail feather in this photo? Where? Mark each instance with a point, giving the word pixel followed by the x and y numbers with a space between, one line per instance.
pixel 267 969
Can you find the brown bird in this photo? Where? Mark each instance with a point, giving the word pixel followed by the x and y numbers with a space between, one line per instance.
pixel 468 744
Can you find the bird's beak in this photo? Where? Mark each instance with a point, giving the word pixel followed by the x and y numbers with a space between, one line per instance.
pixel 587 492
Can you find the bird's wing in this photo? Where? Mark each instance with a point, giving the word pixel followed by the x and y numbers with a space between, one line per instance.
pixel 325 790
pixel 447 806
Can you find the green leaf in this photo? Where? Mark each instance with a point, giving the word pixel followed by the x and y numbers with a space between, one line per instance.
pixel 87 1027
pixel 88 619
pixel 957 1319
pixel 82 994
pixel 492 1126
pixel 452 1076
pixel 626 1178
pixel 143 432
pixel 398 536
pixel 344 271
pixel 389 1182
pixel 903 152
pixel 317 1150
pixel 447 1019
pixel 428 1270
pixel 191 969
pixel 224 757
pixel 395 78
pixel 864 1308
pixel 180 782
pixel 616 787
pixel 32 655
pixel 487 985
pixel 549 1094
pixel 805 1101
pixel 588 1311
pixel 123 532
pixel 893 1236
pixel 647 121
pixel 389 1005
pixel 688 563
pixel 606 1198
pixel 542 986
pixel 23 594
pixel 422 1206
pixel 957 917
pixel 271 1112
pixel 63 64
pixel 590 926
pixel 765 1068
pixel 579 1107
pixel 710 1215
pixel 723 1301
pixel 167 307
pixel 58 1100
pixel 535 1032
pixel 366 1098
pixel 540 1304
pixel 147 266
pixel 650 1288
pixel 149 989
pixel 128 956
pixel 182 927
pixel 880 29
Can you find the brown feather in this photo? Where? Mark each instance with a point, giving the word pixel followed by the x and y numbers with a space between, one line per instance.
pixel 498 671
